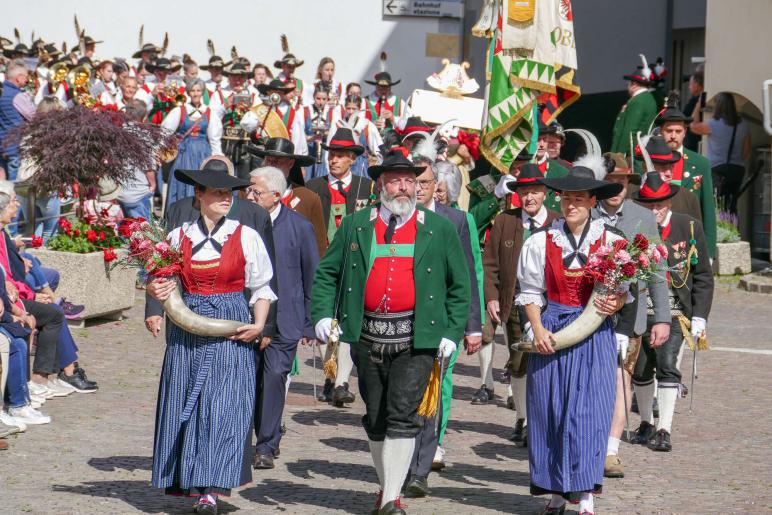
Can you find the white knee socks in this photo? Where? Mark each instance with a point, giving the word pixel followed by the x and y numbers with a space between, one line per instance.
pixel 397 453
pixel 645 396
pixel 519 385
pixel 345 363
pixel 486 364
pixel 612 449
pixel 376 451
pixel 666 397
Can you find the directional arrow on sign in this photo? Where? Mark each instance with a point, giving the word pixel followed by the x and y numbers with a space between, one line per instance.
pixel 390 6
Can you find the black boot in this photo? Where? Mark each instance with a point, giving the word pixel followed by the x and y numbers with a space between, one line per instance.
pixel 644 433
pixel 392 508
pixel 519 435
pixel 661 441
pixel 418 486
pixel 483 396
pixel 326 395
pixel 341 396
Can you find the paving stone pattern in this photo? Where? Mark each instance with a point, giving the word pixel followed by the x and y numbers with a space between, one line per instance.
pixel 95 457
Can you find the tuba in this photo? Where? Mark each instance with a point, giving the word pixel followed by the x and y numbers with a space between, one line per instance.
pixel 78 81
pixel 58 72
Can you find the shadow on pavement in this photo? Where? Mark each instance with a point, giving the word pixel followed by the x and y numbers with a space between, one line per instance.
pixel 289 496
pixel 139 495
pixel 500 451
pixel 489 499
pixel 478 475
pixel 488 428
pixel 130 463
pixel 346 444
pixel 307 469
pixel 328 417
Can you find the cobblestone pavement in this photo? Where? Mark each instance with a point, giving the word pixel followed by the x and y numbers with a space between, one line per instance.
pixel 96 455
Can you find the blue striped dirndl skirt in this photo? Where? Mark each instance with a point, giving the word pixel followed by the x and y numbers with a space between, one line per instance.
pixel 570 403
pixel 206 402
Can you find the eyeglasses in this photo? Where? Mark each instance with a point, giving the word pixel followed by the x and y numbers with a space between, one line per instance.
pixel 257 193
pixel 425 183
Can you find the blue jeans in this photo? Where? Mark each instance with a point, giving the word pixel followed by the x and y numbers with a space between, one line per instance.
pixel 16 392
pixel 39 277
pixel 137 209
pixel 47 210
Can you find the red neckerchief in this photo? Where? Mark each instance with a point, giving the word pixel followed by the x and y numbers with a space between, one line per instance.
pixel 665 232
pixel 678 170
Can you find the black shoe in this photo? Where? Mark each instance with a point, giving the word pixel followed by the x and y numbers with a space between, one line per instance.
pixel 511 403
pixel 519 435
pixel 82 373
pixel 341 396
pixel 71 311
pixel 326 395
pixel 644 433
pixel 417 487
pixel 482 396
pixel 661 441
pixel 277 453
pixel 392 508
pixel 283 428
pixel 655 408
pixel 263 462
pixel 205 507
pixel 77 382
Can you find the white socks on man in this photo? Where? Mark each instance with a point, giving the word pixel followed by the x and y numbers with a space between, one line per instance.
pixel 345 363
pixel 397 453
pixel 519 393
pixel 645 396
pixel 376 451
pixel 666 397
pixel 486 364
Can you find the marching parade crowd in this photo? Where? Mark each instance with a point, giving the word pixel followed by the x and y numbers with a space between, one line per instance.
pixel 322 213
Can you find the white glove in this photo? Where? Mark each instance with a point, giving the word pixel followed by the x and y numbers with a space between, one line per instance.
pixel 622 343
pixel 249 122
pixel 698 326
pixel 323 329
pixel 501 189
pixel 447 348
pixel 528 331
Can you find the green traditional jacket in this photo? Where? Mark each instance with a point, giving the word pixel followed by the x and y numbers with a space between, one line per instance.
pixel 478 266
pixel 483 204
pixel 554 170
pixel 698 179
pixel 442 284
pixel 636 115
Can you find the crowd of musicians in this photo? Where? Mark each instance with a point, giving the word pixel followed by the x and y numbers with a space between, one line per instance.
pixel 343 218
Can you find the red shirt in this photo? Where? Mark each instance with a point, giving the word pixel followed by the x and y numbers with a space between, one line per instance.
pixel 390 286
pixel 337 198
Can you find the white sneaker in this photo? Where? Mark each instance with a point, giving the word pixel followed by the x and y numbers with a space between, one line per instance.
pixel 37 398
pixel 35 404
pixel 8 420
pixel 438 463
pixel 29 415
pixel 39 389
pixel 58 389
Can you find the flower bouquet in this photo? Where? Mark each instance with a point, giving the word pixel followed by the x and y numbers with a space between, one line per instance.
pixel 150 251
pixel 613 267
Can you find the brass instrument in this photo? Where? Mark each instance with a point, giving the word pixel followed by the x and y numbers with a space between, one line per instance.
pixel 78 81
pixel 172 92
pixel 320 129
pixel 57 73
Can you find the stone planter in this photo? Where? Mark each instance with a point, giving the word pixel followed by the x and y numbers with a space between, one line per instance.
pixel 732 258
pixel 86 279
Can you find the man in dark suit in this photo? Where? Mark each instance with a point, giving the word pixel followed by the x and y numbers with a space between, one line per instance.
pixel 280 152
pixel 690 296
pixel 502 251
pixel 428 453
pixel 341 193
pixel 631 219
pixel 247 213
pixel 296 251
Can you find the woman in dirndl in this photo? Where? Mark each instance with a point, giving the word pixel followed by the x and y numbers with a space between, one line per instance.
pixel 206 398
pixel 570 392
pixel 200 131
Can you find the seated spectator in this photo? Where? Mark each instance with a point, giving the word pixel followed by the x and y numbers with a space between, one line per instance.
pixel 137 193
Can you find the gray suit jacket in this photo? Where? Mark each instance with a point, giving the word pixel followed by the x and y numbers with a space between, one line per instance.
pixel 458 218
pixel 635 219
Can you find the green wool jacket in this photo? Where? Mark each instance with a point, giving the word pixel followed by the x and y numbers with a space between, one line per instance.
pixel 698 179
pixel 484 206
pixel 636 115
pixel 442 284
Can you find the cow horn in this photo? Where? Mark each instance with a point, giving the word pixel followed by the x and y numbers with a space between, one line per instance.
pixel 191 322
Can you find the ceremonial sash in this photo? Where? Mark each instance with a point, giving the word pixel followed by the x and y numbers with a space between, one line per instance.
pixel 288 118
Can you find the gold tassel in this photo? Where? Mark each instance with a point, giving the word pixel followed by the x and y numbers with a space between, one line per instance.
pixel 331 364
pixel 686 325
pixel 428 406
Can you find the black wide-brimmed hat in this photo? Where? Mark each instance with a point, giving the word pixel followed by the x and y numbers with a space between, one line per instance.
pixel 21 48
pixel 288 59
pixel 637 76
pixel 659 151
pixel 280 147
pixel 524 155
pixel 395 160
pixel 213 174
pixel 671 115
pixel 162 64
pixel 214 62
pixel 344 139
pixel 654 189
pixel 236 67
pixel 581 178
pixel 414 126
pixel 87 40
pixel 147 47
pixel 529 175
pixel 383 79
pixel 275 85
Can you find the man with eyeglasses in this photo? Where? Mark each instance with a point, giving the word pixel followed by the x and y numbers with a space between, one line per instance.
pixel 297 253
pixel 429 454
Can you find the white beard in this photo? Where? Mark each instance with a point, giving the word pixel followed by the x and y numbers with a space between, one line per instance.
pixel 400 207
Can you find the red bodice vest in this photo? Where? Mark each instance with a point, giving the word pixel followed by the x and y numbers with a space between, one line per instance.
pixel 570 287
pixel 391 285
pixel 222 275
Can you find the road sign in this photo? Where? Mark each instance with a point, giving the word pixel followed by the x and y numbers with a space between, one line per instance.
pixel 428 8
